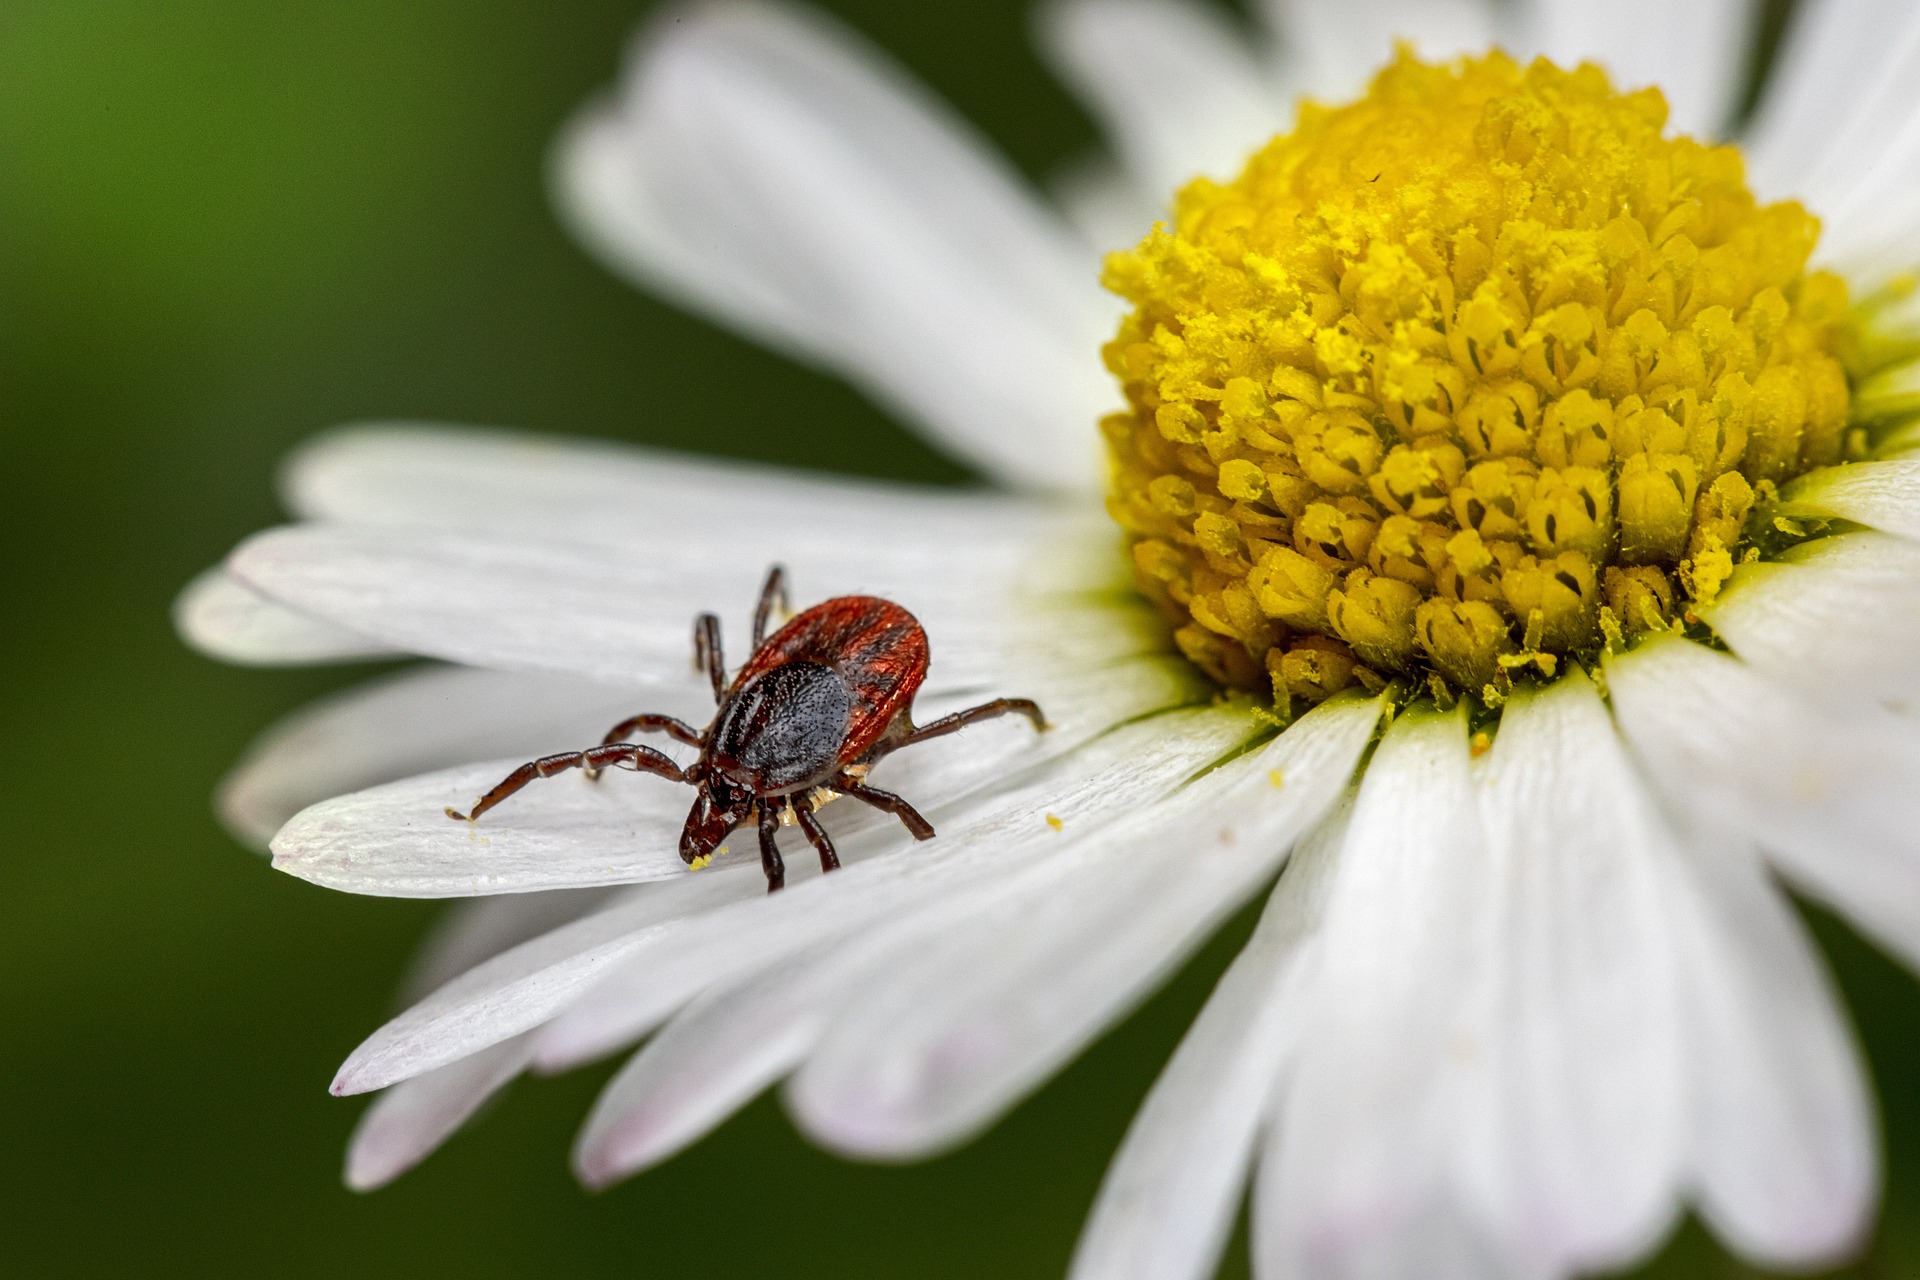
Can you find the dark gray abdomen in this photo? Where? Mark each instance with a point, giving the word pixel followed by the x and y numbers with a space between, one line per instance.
pixel 785 729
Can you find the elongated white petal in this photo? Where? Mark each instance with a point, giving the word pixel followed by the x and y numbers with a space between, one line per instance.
pixel 226 619
pixel 519 604
pixel 949 1039
pixel 1880 495
pixel 800 957
pixel 1170 1196
pixel 410 1120
pixel 1831 800
pixel 768 167
pixel 569 831
pixel 1391 1054
pixel 422 720
pixel 1178 90
pixel 520 988
pixel 705 1065
pixel 989 838
pixel 407 1122
pixel 1574 1151
pixel 472 932
pixel 1331 48
pixel 1786 1153
pixel 1834 619
pixel 568 488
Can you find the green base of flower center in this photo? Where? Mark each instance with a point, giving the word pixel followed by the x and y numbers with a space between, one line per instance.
pixel 1470 378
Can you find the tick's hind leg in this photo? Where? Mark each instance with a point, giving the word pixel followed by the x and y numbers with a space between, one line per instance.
pixel 770 843
pixel 706 652
pixel 886 802
pixel 772 593
pixel 678 730
pixel 816 835
pixel 961 719
pixel 623 755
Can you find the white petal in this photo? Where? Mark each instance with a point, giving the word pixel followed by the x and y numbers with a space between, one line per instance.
pixel 1434 1240
pixel 518 604
pixel 407 1122
pixel 1576 1155
pixel 420 720
pixel 520 988
pixel 1834 619
pixel 567 831
pixel 228 620
pixel 768 167
pixel 953 1036
pixel 410 1120
pixel 534 982
pixel 705 1065
pixel 991 839
pixel 1170 1196
pixel 1832 800
pixel 573 489
pixel 1696 52
pixel 1880 495
pixel 1786 1139
pixel 1390 1053
pixel 473 932
pixel 1177 88
pixel 1333 47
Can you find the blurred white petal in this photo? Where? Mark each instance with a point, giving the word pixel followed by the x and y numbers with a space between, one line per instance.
pixel 1331 48
pixel 228 620
pixel 1392 1050
pixel 1170 1196
pixel 1697 53
pixel 767 166
pixel 1179 91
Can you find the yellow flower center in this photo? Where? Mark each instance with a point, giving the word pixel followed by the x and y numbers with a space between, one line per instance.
pixel 1471 377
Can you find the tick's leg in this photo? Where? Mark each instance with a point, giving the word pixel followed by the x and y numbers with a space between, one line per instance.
pixel 706 652
pixel 676 729
pixel 770 844
pixel 817 835
pixel 887 802
pixel 621 755
pixel 774 591
pixel 961 719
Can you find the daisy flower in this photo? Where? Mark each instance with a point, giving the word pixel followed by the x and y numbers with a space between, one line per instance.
pixel 1517 555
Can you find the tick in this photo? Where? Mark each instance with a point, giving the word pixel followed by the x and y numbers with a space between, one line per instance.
pixel 819 703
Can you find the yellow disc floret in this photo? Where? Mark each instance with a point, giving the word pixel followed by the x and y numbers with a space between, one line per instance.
pixel 1467 378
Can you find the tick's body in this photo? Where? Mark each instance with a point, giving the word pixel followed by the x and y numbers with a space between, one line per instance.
pixel 818 703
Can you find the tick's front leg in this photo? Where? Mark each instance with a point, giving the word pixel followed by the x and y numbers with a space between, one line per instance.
pixel 770 843
pixel 816 835
pixel 886 802
pixel 622 755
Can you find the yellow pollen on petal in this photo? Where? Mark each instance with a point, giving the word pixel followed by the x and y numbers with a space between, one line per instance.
pixel 1478 374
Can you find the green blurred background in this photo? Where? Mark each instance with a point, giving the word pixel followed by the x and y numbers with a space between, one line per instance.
pixel 223 226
